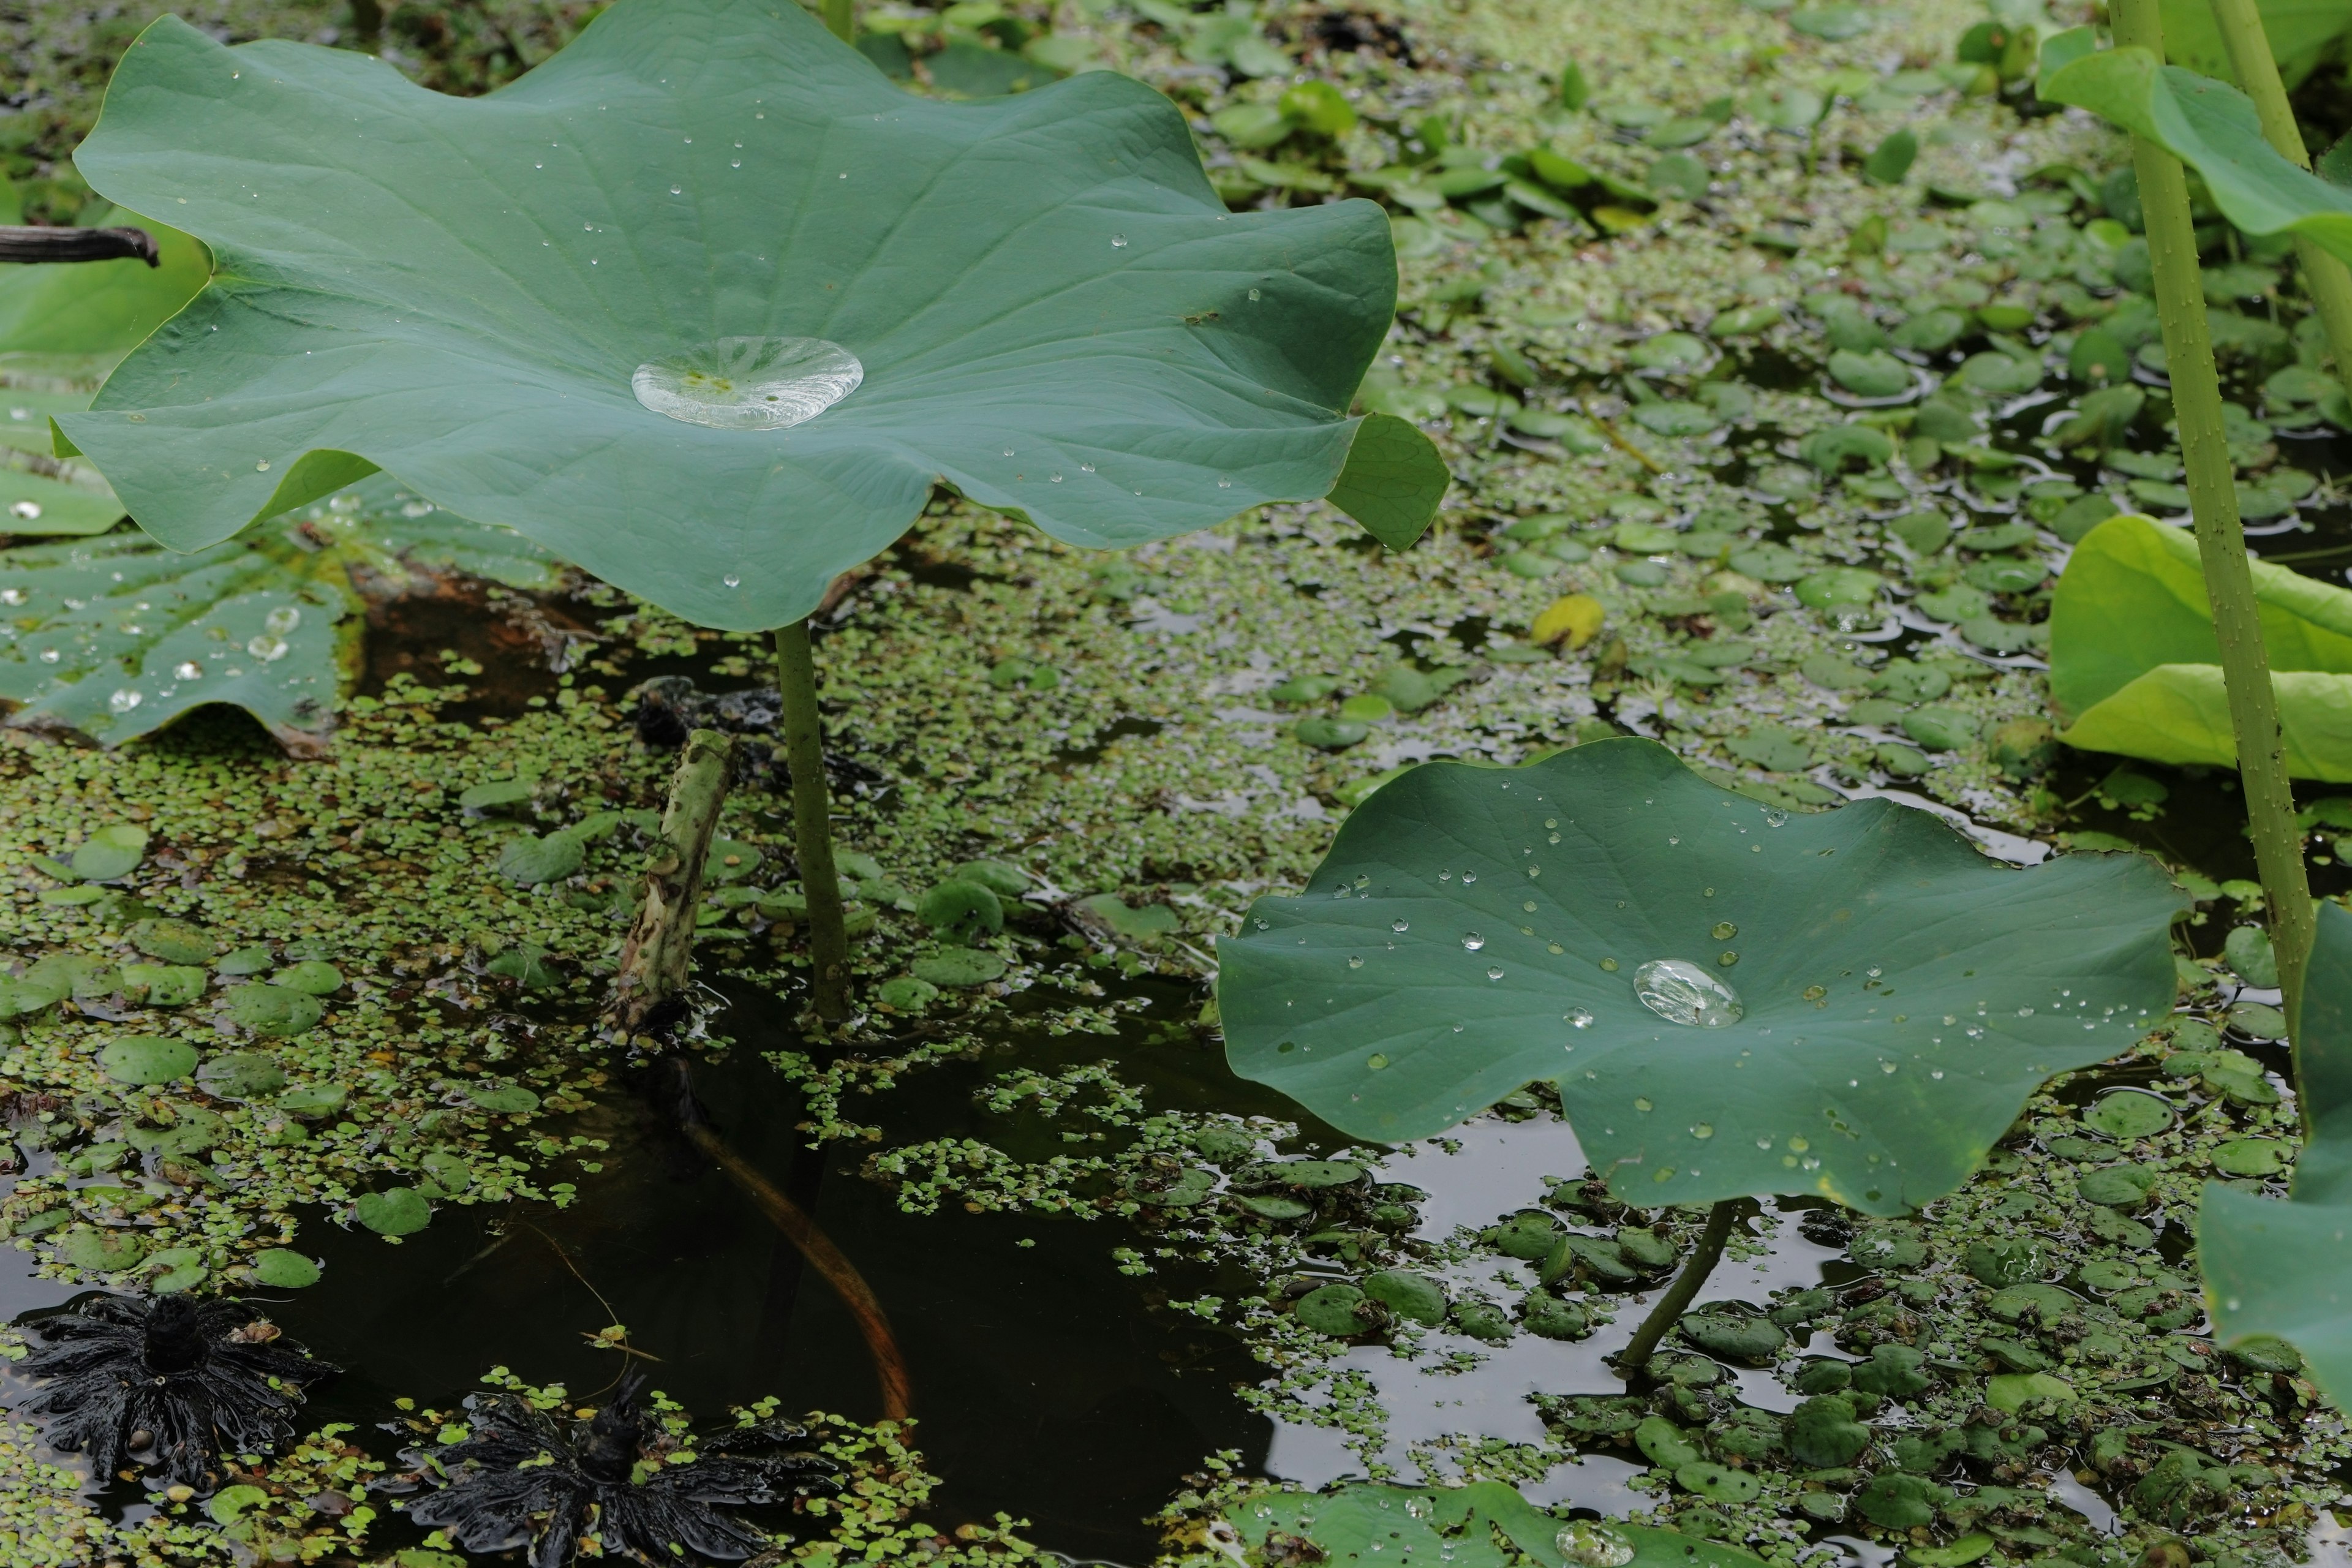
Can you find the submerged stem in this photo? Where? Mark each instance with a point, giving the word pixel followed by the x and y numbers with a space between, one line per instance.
pixel 656 959
pixel 1684 1290
pixel 2325 276
pixel 2221 539
pixel 813 823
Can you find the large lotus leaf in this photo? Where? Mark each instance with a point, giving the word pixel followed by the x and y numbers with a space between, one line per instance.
pixel 117 637
pixel 2209 125
pixel 1368 1526
pixel 2135 665
pixel 38 494
pixel 1046 305
pixel 2285 1268
pixel 100 308
pixel 2298 30
pixel 1473 929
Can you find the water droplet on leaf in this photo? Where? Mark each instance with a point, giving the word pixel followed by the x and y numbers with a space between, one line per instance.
pixel 1682 993
pixel 750 384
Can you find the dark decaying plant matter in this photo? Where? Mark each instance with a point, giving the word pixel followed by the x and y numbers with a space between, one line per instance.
pixel 523 1476
pixel 166 1383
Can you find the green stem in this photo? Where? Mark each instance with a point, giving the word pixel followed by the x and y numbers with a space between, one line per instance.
pixel 2325 276
pixel 813 823
pixel 2221 540
pixel 1684 1290
pixel 837 17
pixel 660 952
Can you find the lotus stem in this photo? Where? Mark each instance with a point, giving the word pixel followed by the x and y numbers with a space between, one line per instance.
pixel 36 243
pixel 837 17
pixel 656 959
pixel 872 1323
pixel 2220 538
pixel 813 823
pixel 2325 276
pixel 1679 1295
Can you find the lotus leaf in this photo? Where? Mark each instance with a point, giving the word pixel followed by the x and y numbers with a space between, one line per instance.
pixel 1370 1526
pixel 2135 663
pixel 395 1211
pixel 534 859
pixel 115 637
pixel 959 968
pixel 281 1268
pixel 100 309
pixel 272 1009
pixel 96 1251
pixel 242 1075
pixel 113 851
pixel 314 1099
pixel 147 1059
pixel 2284 1270
pixel 163 985
pixel 578 303
pixel 173 942
pixel 2208 125
pixel 505 1101
pixel 1734 1335
pixel 1823 1432
pixel 1426 991
pixel 1548 1317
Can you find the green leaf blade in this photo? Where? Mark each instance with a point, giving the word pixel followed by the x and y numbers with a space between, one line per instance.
pixel 1427 1028
pixel 1053 311
pixel 1394 480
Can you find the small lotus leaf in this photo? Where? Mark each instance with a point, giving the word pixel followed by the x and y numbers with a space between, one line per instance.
pixel 314 1099
pixel 979 264
pixel 1458 1008
pixel 255 960
pixel 532 860
pixel 508 1100
pixel 959 968
pixel 1893 1501
pixel 242 1075
pixel 147 1059
pixel 1545 1316
pixel 1338 1311
pixel 1823 1432
pixel 907 994
pixel 173 942
pixel 164 985
pixel 1734 1336
pixel 2129 1114
pixel 94 1250
pixel 312 977
pixel 961 909
pixel 1274 1206
pixel 111 852
pixel 1666 1444
pixel 2252 1157
pixel 177 1268
pixel 394 1211
pixel 450 1172
pixel 273 1009
pixel 497 792
pixel 1129 923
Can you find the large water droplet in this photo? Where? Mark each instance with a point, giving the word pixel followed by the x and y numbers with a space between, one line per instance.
pixel 1589 1545
pixel 1579 1017
pixel 25 511
pixel 1473 941
pixel 1683 993
pixel 267 648
pixel 1399 927
pixel 281 621
pixel 750 384
pixel 187 669
pixel 124 701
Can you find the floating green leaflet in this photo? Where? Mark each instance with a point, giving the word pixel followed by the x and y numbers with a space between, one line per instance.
pixel 715 375
pixel 2133 663
pixel 1859 1002
pixel 2285 1268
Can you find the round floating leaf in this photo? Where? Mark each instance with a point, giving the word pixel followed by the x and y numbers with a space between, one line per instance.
pixel 314 1099
pixel 112 851
pixel 907 994
pixel 2129 1114
pixel 577 304
pixel 1340 1311
pixel 1735 1336
pixel 505 1101
pixel 273 1009
pixel 242 1075
pixel 1717 1483
pixel 958 968
pixel 312 977
pixel 395 1211
pixel 2252 1157
pixel 1875 375
pixel 1408 1295
pixel 97 1251
pixel 163 985
pixel 173 942
pixel 961 909
pixel 147 1059
pixel 532 860
pixel 1397 1006
pixel 254 960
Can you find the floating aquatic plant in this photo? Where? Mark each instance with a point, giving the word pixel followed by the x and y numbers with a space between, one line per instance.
pixel 618 1482
pixel 708 306
pixel 1732 1000
pixel 168 1383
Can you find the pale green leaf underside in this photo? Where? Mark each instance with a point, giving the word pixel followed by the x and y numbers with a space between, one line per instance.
pixel 2285 1268
pixel 2209 125
pixel 115 637
pixel 2135 665
pixel 100 309
pixel 1864 1093
pixel 1394 480
pixel 1053 311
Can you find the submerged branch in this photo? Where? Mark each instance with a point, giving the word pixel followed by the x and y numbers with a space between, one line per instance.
pixel 660 950
pixel 20 242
